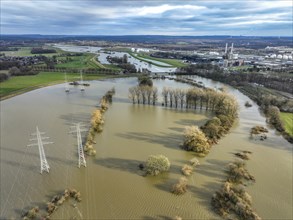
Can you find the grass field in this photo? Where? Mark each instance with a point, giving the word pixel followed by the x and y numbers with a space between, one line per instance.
pixel 168 62
pixel 172 62
pixel 112 66
pixel 21 84
pixel 287 119
pixel 26 51
pixel 84 61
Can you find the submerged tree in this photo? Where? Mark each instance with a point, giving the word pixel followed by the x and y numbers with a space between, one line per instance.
pixel 195 140
pixel 143 94
pixel 165 94
pixel 157 164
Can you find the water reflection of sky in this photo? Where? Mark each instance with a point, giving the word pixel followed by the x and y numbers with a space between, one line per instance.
pixel 103 57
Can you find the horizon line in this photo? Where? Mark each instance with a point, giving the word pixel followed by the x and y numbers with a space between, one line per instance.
pixel 95 35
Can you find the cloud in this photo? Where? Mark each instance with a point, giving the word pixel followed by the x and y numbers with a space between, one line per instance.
pixel 146 17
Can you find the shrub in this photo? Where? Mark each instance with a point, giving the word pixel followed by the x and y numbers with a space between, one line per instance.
pixel 97 120
pixel 109 95
pixel 156 164
pixel 247 104
pixel 187 170
pixel 273 114
pixel 3 77
pixel 258 130
pixel 32 213
pixel 195 140
pixel 104 105
pixel 233 199
pixel 194 162
pixel 243 155
pixel 237 172
pixel 145 81
pixel 180 187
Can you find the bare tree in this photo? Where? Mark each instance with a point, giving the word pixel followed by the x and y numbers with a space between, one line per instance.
pixel 132 94
pixel 155 95
pixel 181 97
pixel 165 94
pixel 143 90
pixel 176 93
pixel 137 94
pixel 171 97
pixel 149 92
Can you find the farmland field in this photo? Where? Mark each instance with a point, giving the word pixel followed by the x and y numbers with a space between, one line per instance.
pixel 22 84
pixel 287 119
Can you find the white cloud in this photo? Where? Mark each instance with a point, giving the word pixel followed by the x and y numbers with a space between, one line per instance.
pixel 179 17
pixel 149 10
pixel 145 11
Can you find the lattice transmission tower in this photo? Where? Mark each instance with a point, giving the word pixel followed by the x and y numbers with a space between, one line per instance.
pixel 66 83
pixel 44 164
pixel 81 82
pixel 81 157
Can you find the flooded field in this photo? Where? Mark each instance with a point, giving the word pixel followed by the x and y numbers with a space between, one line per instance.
pixel 112 187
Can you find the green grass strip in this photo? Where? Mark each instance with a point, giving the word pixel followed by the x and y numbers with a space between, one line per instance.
pixel 287 119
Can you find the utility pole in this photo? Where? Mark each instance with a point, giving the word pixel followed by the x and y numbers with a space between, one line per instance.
pixel 66 84
pixel 81 157
pixel 81 82
pixel 44 164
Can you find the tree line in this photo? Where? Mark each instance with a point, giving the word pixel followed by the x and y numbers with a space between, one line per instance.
pixel 208 99
pixel 143 95
pixel 284 83
pixel 74 70
pixel 39 50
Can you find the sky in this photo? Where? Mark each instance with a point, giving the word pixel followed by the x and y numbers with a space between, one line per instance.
pixel 152 17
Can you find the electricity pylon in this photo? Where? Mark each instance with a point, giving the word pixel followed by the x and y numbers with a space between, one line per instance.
pixel 81 82
pixel 66 84
pixel 81 157
pixel 44 164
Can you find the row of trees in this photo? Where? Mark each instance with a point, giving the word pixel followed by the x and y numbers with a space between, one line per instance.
pixel 22 71
pixel 232 201
pixel 283 83
pixel 97 122
pixel 74 70
pixel 143 95
pixel 39 50
pixel 208 99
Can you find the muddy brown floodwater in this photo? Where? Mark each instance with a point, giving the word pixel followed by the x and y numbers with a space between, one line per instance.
pixel 112 187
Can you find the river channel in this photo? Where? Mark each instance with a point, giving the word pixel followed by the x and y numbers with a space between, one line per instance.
pixel 112 187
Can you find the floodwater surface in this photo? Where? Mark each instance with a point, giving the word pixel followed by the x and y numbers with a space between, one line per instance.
pixel 112 186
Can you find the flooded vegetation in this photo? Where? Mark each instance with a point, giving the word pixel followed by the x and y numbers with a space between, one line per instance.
pixel 114 185
pixel 97 122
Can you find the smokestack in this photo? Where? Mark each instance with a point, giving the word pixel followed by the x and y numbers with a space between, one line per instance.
pixel 226 48
pixel 232 48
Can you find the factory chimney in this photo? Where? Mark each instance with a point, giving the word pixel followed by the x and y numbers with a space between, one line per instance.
pixel 232 48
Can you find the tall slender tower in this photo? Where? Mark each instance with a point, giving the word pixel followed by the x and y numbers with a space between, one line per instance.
pixel 44 164
pixel 226 49
pixel 81 157
pixel 232 48
pixel 66 83
pixel 81 82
